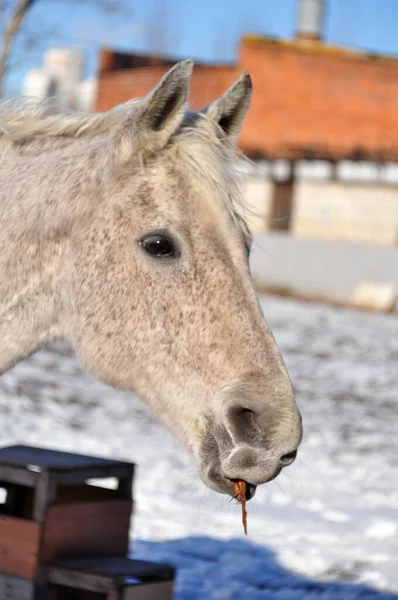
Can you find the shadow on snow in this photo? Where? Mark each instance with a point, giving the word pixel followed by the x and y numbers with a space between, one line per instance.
pixel 211 569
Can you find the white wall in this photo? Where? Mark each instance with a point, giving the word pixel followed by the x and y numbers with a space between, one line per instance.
pixel 257 193
pixel 37 84
pixel 346 211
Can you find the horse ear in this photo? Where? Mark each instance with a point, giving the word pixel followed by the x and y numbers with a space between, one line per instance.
pixel 156 117
pixel 229 111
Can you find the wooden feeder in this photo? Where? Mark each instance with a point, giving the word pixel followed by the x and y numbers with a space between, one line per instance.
pixel 64 538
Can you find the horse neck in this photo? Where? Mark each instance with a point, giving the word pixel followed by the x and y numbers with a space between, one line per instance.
pixel 28 300
pixel 33 239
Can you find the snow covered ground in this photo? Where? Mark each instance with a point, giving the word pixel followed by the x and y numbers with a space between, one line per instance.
pixel 326 528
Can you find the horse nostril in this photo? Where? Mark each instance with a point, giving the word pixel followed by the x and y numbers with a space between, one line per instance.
pixel 242 423
pixel 244 415
pixel 288 458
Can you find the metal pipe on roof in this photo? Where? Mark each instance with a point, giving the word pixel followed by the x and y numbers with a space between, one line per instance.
pixel 310 19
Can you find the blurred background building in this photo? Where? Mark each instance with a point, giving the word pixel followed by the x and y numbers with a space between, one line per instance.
pixel 61 77
pixel 322 129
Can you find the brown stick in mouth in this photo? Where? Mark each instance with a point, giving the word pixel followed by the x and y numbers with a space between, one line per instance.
pixel 240 495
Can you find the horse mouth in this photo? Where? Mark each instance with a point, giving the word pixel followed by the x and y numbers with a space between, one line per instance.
pixel 250 489
pixel 216 480
pixel 211 471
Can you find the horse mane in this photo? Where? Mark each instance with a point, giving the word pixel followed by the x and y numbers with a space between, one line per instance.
pixel 26 119
pixel 46 124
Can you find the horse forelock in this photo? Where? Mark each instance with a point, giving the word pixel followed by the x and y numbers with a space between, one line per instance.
pixel 213 163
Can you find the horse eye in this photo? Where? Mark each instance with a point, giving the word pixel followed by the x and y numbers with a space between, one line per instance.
pixel 159 246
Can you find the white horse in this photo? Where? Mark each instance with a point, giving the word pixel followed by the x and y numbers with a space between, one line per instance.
pixel 121 231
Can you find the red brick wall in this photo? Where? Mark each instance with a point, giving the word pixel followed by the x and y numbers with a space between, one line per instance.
pixel 207 83
pixel 308 98
pixel 331 101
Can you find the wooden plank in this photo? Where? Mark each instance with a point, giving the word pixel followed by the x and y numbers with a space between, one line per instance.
pixel 69 494
pixel 119 568
pixel 44 495
pixel 58 592
pixel 77 579
pixel 86 529
pixel 75 476
pixel 162 590
pixel 15 588
pixel 125 486
pixel 18 475
pixel 54 459
pixel 19 546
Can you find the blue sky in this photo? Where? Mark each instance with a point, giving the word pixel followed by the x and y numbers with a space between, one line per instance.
pixel 209 29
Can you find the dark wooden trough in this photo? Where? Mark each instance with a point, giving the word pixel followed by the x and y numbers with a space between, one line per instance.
pixel 63 537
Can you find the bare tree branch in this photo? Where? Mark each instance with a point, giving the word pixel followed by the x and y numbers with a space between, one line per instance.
pixel 110 7
pixel 13 25
pixel 18 11
pixel 30 43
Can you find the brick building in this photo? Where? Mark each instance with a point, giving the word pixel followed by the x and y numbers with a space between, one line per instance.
pixel 311 102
